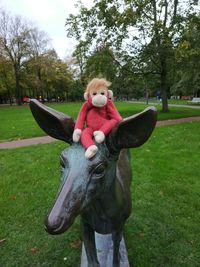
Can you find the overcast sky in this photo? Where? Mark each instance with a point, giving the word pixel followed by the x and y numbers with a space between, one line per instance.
pixel 49 16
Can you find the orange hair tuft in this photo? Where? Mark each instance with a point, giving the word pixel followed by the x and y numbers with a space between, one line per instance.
pixel 97 83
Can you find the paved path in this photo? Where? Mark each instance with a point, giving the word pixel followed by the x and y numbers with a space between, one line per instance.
pixel 48 139
pixel 176 121
pixel 170 105
pixel 184 106
pixel 27 142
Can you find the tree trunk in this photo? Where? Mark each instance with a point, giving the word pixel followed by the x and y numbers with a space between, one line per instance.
pixel 18 89
pixel 163 85
pixel 10 97
pixel 147 96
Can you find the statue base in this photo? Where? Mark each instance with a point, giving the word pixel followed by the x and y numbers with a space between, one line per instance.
pixel 104 246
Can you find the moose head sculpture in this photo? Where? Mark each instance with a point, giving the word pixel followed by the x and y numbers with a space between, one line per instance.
pixel 97 189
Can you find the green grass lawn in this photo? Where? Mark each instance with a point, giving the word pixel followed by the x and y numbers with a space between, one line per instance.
pixel 163 229
pixel 18 122
pixel 178 102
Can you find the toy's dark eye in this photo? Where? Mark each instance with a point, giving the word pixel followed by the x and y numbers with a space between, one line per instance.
pixel 102 93
pixel 94 93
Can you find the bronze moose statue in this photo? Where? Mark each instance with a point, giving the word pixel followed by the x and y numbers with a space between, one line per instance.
pixel 97 189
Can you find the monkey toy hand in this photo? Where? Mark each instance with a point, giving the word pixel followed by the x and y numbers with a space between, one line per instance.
pixel 76 135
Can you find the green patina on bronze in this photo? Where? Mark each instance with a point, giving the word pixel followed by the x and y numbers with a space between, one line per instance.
pixel 97 189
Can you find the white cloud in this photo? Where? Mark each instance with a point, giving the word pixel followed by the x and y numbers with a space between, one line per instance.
pixel 49 16
pixel 40 10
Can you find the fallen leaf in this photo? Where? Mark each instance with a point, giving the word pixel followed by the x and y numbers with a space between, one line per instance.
pixel 76 243
pixel 2 241
pixel 34 250
pixel 141 234
pixel 13 197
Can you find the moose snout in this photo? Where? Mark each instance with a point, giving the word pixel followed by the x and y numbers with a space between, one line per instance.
pixel 56 225
pixel 53 224
pixel 64 210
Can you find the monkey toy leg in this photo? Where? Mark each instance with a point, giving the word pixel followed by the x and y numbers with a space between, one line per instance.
pixel 88 143
pixel 108 126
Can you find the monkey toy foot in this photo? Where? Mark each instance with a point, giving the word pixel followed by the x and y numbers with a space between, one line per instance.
pixel 99 136
pixel 91 151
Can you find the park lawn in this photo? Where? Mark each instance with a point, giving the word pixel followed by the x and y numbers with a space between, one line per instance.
pixel 18 122
pixel 178 102
pixel 163 229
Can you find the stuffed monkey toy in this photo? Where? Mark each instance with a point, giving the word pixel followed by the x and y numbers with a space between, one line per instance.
pixel 99 114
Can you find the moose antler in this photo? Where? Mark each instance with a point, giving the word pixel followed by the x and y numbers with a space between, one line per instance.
pixel 54 123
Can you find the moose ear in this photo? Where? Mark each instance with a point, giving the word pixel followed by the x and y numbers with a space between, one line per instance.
pixel 54 123
pixel 133 131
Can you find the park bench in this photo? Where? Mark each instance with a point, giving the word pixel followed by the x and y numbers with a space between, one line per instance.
pixel 195 100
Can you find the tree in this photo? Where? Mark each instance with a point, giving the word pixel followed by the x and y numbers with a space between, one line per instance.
pixel 26 57
pixel 143 32
pixel 187 78
pixel 101 63
pixel 14 34
pixel 7 82
pixel 80 54
pixel 62 79
pixel 40 46
pixel 21 42
pixel 48 76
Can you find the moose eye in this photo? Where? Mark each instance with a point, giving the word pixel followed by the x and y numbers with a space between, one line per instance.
pixel 102 93
pixel 94 93
pixel 99 169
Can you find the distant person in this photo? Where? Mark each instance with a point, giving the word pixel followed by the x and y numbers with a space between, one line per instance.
pixel 158 96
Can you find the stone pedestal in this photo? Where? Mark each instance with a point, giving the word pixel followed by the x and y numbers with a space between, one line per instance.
pixel 104 247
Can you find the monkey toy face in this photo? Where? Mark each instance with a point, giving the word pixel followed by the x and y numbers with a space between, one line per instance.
pixel 98 97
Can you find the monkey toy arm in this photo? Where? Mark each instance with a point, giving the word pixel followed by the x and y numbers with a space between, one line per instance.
pixel 80 122
pixel 113 118
pixel 113 112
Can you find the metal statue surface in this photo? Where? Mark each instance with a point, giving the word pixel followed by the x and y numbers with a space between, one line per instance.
pixel 97 189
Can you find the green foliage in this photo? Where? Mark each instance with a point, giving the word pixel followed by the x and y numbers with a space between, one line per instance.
pixel 142 36
pixel 101 63
pixel 187 80
pixel 7 81
pixel 163 229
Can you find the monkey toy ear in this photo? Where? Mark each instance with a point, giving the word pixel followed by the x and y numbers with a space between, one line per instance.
pixel 110 94
pixel 86 96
